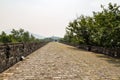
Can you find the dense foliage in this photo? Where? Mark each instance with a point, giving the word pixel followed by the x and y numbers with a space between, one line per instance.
pixel 102 29
pixel 17 36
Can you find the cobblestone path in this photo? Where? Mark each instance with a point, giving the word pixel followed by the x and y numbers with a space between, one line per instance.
pixel 56 61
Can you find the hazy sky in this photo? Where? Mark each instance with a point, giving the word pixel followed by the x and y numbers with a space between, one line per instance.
pixel 45 17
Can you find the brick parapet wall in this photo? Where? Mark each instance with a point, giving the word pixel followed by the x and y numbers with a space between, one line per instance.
pixel 113 52
pixel 11 53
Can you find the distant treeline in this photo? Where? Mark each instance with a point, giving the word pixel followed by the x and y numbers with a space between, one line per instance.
pixel 102 29
pixel 17 36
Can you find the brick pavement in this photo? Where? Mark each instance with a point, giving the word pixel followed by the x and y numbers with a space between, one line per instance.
pixel 56 61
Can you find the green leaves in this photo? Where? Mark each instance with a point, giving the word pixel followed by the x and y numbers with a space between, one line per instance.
pixel 17 36
pixel 4 38
pixel 102 29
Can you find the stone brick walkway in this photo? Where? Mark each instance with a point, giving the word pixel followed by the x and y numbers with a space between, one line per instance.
pixel 56 61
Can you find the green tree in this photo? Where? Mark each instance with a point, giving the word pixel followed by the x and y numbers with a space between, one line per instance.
pixel 4 38
pixel 102 29
pixel 26 37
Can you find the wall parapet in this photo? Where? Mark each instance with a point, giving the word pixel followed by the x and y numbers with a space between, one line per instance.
pixel 113 52
pixel 11 53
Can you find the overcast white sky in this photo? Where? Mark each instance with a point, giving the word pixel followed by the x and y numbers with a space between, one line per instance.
pixel 45 17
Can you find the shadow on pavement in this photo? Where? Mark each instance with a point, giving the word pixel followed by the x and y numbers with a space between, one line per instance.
pixel 114 61
pixel 75 48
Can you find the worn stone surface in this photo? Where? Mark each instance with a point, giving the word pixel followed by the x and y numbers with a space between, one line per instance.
pixel 57 61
